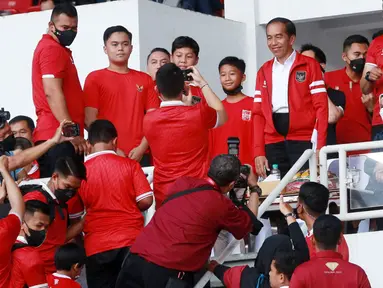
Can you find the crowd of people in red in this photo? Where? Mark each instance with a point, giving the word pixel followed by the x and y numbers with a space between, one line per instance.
pixel 96 191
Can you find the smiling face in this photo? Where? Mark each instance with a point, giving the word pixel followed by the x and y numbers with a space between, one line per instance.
pixel 278 41
pixel 184 58
pixel 231 77
pixel 118 48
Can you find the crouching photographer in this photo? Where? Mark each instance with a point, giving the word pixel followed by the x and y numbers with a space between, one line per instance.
pixel 7 145
pixel 177 242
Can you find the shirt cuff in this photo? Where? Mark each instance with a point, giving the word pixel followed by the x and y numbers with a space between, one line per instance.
pixel 45 285
pixel 18 216
pixel 143 196
pixel 76 215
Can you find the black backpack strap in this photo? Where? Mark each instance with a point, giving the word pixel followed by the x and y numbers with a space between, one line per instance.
pixel 189 191
pixel 18 246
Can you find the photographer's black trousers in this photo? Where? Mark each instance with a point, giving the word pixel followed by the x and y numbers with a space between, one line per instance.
pixel 136 272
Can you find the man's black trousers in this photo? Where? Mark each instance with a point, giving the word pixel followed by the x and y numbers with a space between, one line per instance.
pixel 102 269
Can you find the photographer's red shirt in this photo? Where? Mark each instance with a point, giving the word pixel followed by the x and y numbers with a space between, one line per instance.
pixel 52 60
pixel 178 137
pixel 239 124
pixel 122 99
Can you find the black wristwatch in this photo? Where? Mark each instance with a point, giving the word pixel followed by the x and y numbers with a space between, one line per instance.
pixel 256 189
pixel 367 77
pixel 290 214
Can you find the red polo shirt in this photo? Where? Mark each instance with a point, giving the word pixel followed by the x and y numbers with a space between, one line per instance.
pixel 355 125
pixel 122 99
pixel 52 60
pixel 27 267
pixel 239 125
pixel 178 137
pixel 56 234
pixel 61 281
pixel 9 230
pixel 110 196
pixel 182 233
pixel 375 58
pixel 328 269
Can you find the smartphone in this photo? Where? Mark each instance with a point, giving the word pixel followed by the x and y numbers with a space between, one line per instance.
pixel 71 130
pixel 196 100
pixel 186 76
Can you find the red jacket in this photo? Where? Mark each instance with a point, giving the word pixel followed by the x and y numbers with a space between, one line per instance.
pixel 328 269
pixel 307 104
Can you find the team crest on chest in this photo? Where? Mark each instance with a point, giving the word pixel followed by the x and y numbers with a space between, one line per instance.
pixel 300 76
pixel 246 115
pixel 139 88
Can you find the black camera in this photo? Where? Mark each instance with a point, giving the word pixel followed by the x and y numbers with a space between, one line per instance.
pixel 233 147
pixel 4 117
pixel 186 76
pixel 71 130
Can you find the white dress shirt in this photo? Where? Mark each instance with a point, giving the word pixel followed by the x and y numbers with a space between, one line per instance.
pixel 280 89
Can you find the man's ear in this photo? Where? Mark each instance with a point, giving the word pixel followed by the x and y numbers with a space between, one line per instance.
pixel 105 50
pixel 196 63
pixel 243 78
pixel 282 278
pixel 114 141
pixel 292 39
pixel 344 57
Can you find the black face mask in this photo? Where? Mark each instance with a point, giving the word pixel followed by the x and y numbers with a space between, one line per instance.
pixel 66 37
pixel 8 144
pixel 234 91
pixel 36 238
pixel 357 65
pixel 64 195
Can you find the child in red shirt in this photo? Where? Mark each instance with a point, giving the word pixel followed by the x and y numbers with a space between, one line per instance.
pixel 69 260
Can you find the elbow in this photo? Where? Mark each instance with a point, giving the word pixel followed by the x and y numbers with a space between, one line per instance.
pixel 145 204
pixel 222 117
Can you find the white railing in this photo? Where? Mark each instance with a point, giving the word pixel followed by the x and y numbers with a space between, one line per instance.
pixel 342 149
pixel 150 212
pixel 308 155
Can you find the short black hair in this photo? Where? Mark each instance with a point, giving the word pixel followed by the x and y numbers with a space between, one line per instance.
pixel 32 206
pixel 289 25
pixel 285 262
pixel 233 61
pixel 327 231
pixel 170 81
pixel 158 49
pixel 359 39
pixel 68 255
pixel 64 8
pixel 22 143
pixel 377 34
pixel 319 54
pixel 185 42
pixel 17 119
pixel 68 166
pixel 315 197
pixel 114 29
pixel 224 169
pixel 101 131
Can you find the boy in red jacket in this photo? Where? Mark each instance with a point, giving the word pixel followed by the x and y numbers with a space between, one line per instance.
pixel 69 260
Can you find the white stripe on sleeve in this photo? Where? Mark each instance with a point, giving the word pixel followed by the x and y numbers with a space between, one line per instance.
pixel 45 285
pixel 318 90
pixel 371 64
pixel 316 83
pixel 257 92
pixel 257 100
pixel 143 196
pixel 48 76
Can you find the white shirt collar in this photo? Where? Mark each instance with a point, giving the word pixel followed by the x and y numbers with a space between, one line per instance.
pixel 22 239
pixel 289 61
pixel 34 168
pixel 94 155
pixel 311 232
pixel 172 103
pixel 58 275
pixel 46 188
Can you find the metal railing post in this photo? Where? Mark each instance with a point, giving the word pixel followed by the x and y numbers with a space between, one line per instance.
pixel 323 167
pixel 342 182
pixel 313 167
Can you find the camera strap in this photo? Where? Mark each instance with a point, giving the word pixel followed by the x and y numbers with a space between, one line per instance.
pixel 189 191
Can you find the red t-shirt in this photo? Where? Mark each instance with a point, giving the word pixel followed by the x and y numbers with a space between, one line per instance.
pixel 239 125
pixel 178 137
pixel 375 58
pixel 122 99
pixel 328 269
pixel 34 173
pixel 27 267
pixel 342 247
pixel 113 219
pixel 182 238
pixel 56 234
pixel 9 230
pixel 355 125
pixel 61 281
pixel 52 60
